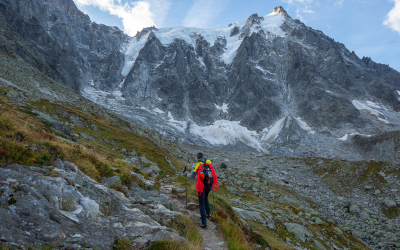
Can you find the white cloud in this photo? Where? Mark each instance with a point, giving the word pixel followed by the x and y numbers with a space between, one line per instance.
pixel 135 15
pixel 203 12
pixel 339 3
pixel 303 7
pixel 393 17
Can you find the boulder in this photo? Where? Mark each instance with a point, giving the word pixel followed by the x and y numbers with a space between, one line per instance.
pixel 318 221
pixel 114 181
pixel 364 215
pixel 299 231
pixel 389 203
pixel 354 209
pixel 338 230
pixel 147 241
pixel 91 207
pixel 358 234
pixel 319 245
pixel 69 166
pixel 368 187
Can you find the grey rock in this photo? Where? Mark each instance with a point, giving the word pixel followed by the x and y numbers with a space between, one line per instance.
pixel 358 234
pixel 354 209
pixel 58 210
pixel 299 231
pixel 389 203
pixel 319 245
pixel 69 166
pixel 364 215
pixel 192 206
pixel 255 216
pixel 318 221
pixel 145 242
pixel 112 181
pixel 368 187
pixel 338 230
pixel 178 190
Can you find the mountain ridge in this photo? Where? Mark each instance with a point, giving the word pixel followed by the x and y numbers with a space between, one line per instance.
pixel 176 80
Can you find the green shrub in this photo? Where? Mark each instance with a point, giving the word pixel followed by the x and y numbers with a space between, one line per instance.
pixel 122 244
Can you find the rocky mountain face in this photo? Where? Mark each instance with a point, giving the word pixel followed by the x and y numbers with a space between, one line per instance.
pixel 62 42
pixel 268 83
pixel 72 198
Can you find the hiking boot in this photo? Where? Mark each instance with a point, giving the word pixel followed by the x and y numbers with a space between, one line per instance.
pixel 209 217
pixel 204 227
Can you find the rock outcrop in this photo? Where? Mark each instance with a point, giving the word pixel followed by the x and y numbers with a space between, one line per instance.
pixel 73 211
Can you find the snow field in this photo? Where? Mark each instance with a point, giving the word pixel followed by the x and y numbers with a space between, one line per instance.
pixel 271 24
pixel 361 106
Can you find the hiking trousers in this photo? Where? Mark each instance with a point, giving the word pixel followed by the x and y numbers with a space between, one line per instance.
pixel 204 205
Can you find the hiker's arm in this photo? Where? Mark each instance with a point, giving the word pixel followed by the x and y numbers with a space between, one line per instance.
pixel 192 174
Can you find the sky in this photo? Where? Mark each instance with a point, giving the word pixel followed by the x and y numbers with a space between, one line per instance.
pixel 371 28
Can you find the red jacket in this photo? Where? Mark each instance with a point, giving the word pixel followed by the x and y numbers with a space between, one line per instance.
pixel 200 184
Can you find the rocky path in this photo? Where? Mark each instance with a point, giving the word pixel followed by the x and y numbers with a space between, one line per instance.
pixel 213 238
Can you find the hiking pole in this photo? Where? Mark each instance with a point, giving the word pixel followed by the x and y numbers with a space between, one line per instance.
pixel 216 223
pixel 186 187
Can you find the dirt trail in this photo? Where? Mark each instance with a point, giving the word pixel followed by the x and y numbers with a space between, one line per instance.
pixel 213 238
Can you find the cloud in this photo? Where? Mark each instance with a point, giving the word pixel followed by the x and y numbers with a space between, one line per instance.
pixel 135 15
pixel 203 12
pixel 393 17
pixel 339 3
pixel 303 7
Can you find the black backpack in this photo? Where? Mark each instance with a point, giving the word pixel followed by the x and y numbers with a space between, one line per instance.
pixel 207 173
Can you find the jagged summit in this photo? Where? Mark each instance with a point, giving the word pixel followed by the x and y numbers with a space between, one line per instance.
pixel 268 77
pixel 280 10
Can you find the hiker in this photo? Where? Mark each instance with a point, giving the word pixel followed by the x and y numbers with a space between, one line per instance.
pixel 204 184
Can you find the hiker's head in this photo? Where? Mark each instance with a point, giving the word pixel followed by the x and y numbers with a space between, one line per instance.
pixel 199 156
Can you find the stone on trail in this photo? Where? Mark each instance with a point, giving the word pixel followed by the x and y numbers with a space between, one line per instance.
pixel 178 190
pixel 192 206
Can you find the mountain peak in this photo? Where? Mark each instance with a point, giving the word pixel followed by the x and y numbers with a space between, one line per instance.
pixel 280 10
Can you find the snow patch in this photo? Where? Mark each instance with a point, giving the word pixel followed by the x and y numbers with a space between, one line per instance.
pixel 346 136
pixel 223 108
pixel 224 132
pixel 131 52
pixel 264 70
pixel 273 131
pixel 180 125
pixel 376 105
pixel 159 111
pixel 303 125
pixel 361 106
